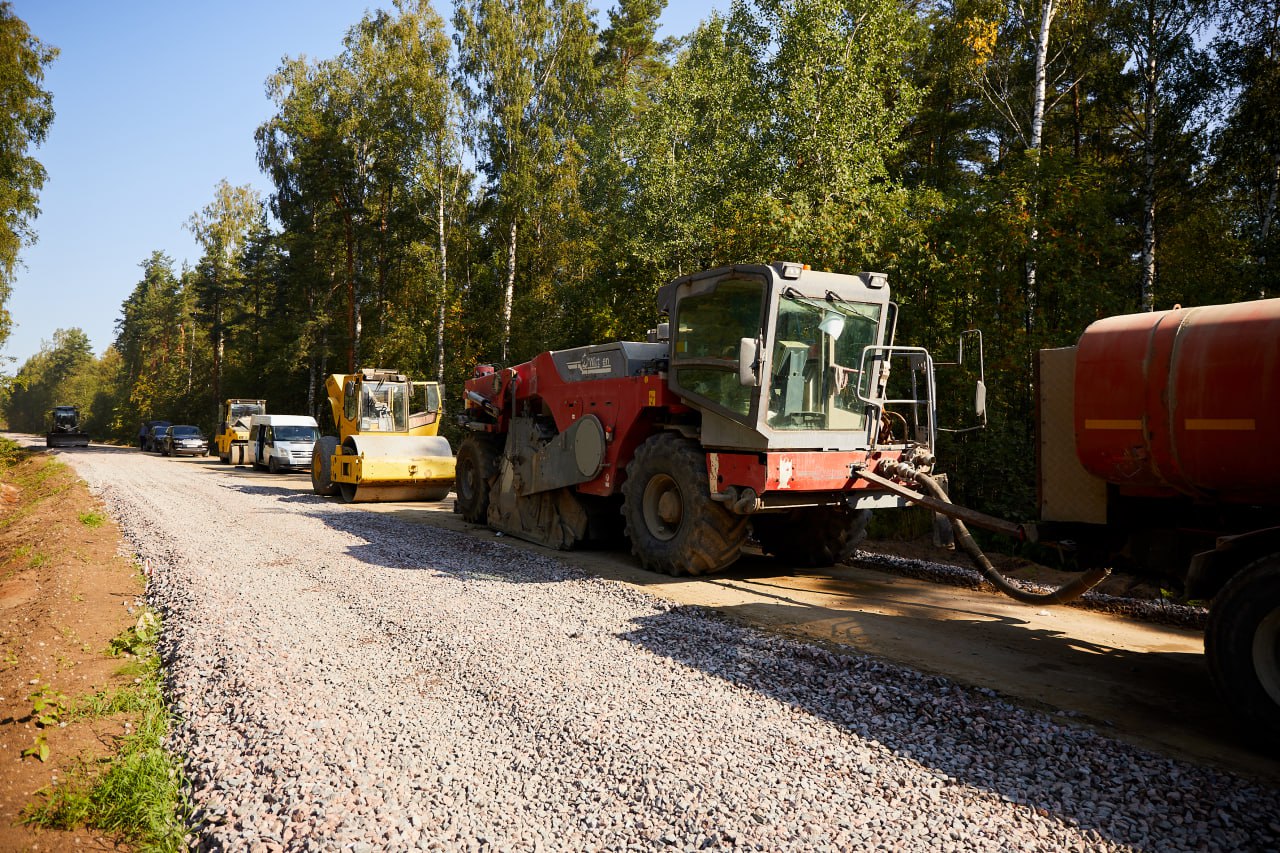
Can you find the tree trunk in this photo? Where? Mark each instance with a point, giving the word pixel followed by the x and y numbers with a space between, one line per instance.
pixel 351 293
pixel 444 273
pixel 1037 134
pixel 1268 217
pixel 1042 60
pixel 1151 94
pixel 218 343
pixel 508 292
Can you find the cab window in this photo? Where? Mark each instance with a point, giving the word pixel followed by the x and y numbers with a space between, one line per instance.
pixel 709 327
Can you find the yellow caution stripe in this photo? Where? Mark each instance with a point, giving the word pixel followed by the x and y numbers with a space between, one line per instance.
pixel 1225 424
pixel 1099 423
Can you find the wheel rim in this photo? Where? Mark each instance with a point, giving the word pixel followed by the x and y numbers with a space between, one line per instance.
pixel 663 506
pixel 1266 655
pixel 468 486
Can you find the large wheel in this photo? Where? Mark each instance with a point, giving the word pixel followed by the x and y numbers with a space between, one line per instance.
pixel 1242 645
pixel 812 538
pixel 477 468
pixel 273 464
pixel 674 526
pixel 321 462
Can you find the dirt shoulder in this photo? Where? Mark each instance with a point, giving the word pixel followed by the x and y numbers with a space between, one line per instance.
pixel 65 592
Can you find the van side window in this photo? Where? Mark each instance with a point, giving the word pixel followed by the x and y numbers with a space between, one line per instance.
pixel 271 439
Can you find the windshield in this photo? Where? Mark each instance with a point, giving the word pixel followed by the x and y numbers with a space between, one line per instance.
pixel 384 407
pixel 296 433
pixel 814 369
pixel 709 327
pixel 184 432
pixel 243 411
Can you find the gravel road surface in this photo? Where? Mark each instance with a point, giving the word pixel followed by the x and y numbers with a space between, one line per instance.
pixel 348 682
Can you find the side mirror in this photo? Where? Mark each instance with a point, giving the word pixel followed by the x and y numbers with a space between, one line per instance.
pixel 748 361
pixel 980 401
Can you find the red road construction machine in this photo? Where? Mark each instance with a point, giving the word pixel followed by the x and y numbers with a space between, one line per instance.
pixel 762 407
pixel 775 404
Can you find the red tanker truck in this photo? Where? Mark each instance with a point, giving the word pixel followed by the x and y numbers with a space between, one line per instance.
pixel 1158 437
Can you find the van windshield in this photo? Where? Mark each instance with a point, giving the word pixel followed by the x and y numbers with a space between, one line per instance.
pixel 296 433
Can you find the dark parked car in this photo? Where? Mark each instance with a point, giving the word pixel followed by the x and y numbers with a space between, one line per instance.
pixel 155 441
pixel 146 434
pixel 183 440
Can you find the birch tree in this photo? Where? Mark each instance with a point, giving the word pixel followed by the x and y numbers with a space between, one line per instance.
pixel 1247 145
pixel 222 229
pixel 527 75
pixel 1159 36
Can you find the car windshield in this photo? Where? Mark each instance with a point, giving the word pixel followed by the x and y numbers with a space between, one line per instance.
pixel 296 433
pixel 184 432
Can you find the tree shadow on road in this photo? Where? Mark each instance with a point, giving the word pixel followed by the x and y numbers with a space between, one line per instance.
pixel 1042 762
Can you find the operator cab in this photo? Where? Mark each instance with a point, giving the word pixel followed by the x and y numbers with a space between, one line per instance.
pixel 783 357
pixel 385 401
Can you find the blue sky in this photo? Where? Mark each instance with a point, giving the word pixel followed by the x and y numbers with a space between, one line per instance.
pixel 155 103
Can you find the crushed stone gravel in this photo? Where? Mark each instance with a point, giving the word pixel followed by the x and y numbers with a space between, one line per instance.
pixel 345 680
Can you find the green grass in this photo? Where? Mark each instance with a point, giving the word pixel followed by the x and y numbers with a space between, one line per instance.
pixel 10 453
pixel 137 794
pixel 92 520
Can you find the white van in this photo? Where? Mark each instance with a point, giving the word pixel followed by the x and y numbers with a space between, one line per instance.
pixel 282 442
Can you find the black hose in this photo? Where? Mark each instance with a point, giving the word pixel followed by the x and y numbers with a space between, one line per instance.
pixel 1068 592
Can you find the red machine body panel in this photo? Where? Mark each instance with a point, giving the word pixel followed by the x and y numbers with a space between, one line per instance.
pixel 1183 402
pixel 796 471
pixel 625 406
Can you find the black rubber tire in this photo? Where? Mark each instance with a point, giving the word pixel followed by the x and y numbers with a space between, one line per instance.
pixel 476 471
pixel 1242 648
pixel 674 526
pixel 321 461
pixel 273 465
pixel 812 538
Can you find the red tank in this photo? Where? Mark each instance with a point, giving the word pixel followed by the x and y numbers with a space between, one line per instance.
pixel 1183 402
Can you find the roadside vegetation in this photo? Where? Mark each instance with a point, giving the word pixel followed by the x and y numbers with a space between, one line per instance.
pixel 137 794
pixel 100 752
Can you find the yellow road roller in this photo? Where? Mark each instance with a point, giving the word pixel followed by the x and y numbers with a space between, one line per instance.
pixel 387 448
pixel 230 441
